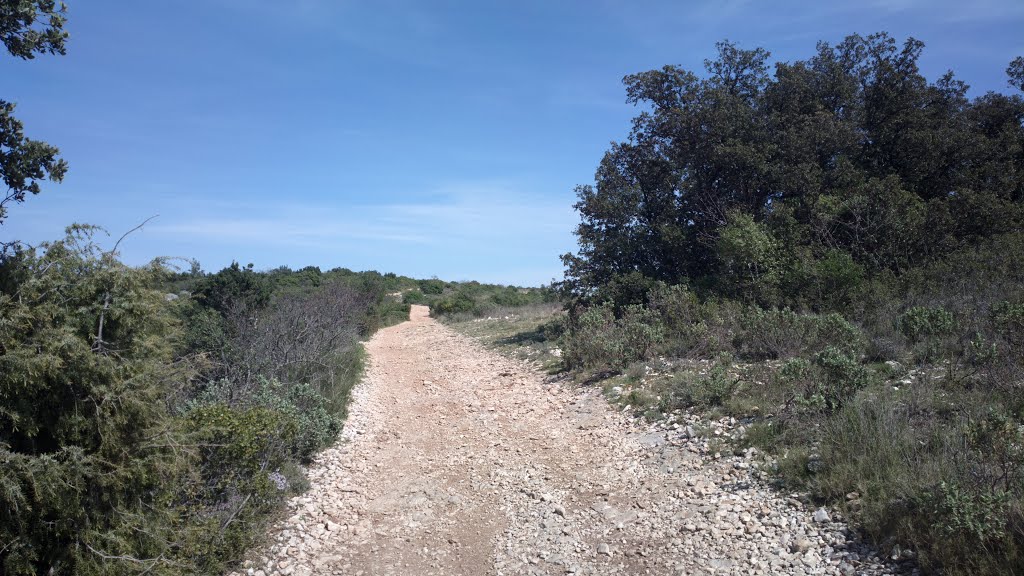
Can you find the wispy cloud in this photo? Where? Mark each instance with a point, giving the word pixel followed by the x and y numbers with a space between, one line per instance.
pixel 477 213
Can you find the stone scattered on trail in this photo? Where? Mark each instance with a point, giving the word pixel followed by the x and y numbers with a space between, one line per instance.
pixel 821 516
pixel 800 545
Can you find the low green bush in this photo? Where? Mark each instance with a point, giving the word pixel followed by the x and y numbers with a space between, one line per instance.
pixel 711 390
pixel 316 426
pixel 225 502
pixel 783 333
pixel 928 330
pixel 460 302
pixel 597 339
pixel 840 377
pixel 688 324
pixel 413 297
pixel 1008 321
pixel 431 287
pixel 511 297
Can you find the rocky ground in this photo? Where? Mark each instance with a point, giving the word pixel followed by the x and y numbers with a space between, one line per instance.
pixel 456 460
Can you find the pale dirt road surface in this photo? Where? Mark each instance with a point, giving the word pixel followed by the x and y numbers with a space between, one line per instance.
pixel 456 460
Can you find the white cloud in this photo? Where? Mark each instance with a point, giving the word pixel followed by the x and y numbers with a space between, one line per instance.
pixel 463 213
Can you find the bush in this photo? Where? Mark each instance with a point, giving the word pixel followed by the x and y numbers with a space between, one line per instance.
pixel 431 287
pixel 920 323
pixel 929 485
pixel 782 333
pixel 707 391
pixel 685 321
pixel 460 302
pixel 242 446
pixel 86 352
pixel 316 425
pixel 413 297
pixel 226 501
pixel 386 312
pixel 511 297
pixel 1008 321
pixel 928 330
pixel 841 377
pixel 597 339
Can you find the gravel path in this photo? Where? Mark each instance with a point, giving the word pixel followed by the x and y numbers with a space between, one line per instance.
pixel 456 460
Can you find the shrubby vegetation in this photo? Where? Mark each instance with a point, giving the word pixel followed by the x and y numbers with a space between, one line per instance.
pixel 845 237
pixel 152 421
pixel 460 300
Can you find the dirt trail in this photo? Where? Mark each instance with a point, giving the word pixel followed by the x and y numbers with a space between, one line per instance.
pixel 456 460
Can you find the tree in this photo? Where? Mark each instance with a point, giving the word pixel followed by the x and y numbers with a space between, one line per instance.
pixel 1015 72
pixel 27 28
pixel 851 157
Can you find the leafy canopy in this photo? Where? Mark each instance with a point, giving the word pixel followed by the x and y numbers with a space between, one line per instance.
pixel 765 185
pixel 27 27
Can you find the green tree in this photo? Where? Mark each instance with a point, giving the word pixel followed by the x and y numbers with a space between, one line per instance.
pixel 851 162
pixel 234 288
pixel 27 28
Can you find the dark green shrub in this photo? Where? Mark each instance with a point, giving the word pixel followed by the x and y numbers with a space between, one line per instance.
pixel 315 426
pixel 623 290
pixel 686 322
pixel 841 377
pixel 461 302
pixel 838 281
pixel 241 446
pixel 824 384
pixel 413 297
pixel 920 323
pixel 432 287
pixel 749 259
pixel 86 348
pixel 1008 321
pixel 838 332
pixel 234 287
pixel 554 328
pixel 386 312
pixel 225 502
pixel 511 297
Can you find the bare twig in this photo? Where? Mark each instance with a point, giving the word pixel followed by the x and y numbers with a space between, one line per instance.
pixel 98 343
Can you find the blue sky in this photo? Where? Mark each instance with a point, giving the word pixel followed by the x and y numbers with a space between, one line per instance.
pixel 427 138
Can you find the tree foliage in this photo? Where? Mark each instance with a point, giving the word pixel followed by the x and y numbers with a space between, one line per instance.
pixel 747 183
pixel 27 27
